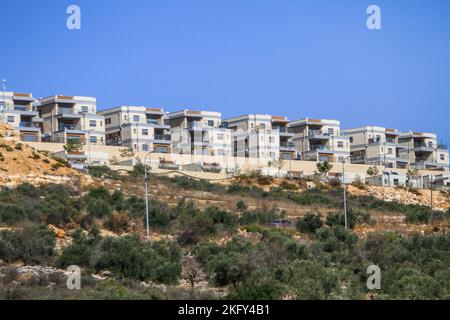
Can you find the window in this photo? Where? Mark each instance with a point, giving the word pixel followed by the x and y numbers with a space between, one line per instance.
pixel 10 118
pixel 330 131
pixel 92 123
pixel 93 139
pixel 145 147
pixel 430 144
pixel 396 182
pixel 341 159
pixel 442 156
pixel 162 150
pixel 136 119
pixel 351 139
pixel 390 151
pixel 340 144
pixel 145 132
pixel 220 136
pixel 85 109
pixel 210 123
pixel 108 121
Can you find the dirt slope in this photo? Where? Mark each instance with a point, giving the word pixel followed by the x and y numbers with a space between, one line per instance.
pixel 20 163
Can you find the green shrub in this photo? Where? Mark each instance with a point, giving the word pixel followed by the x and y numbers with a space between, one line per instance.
pixel 99 208
pixel 103 172
pixel 128 257
pixel 81 249
pixel 309 197
pixel 33 244
pixel 261 216
pixel 309 223
pixel 11 213
pixel 353 218
pixel 258 289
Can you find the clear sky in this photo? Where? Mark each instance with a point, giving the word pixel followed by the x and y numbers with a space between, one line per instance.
pixel 297 58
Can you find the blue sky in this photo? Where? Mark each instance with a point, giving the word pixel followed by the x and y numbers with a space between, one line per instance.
pixel 297 58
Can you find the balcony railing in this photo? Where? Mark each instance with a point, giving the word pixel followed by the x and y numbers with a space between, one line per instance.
pixel 319 147
pixel 28 125
pixel 163 137
pixel 63 127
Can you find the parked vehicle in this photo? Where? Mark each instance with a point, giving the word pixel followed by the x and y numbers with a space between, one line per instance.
pixel 280 224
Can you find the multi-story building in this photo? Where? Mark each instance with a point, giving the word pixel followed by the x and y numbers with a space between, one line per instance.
pixel 320 140
pixel 376 146
pixel 71 118
pixel 261 136
pixel 19 111
pixel 423 151
pixel 138 128
pixel 199 133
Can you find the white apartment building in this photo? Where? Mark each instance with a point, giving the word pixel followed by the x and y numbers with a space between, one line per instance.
pixel 423 151
pixel 199 133
pixel 18 110
pixel 71 118
pixel 260 136
pixel 377 146
pixel 138 128
pixel 320 140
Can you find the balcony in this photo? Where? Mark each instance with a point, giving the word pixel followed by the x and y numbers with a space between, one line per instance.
pixel 196 125
pixel 423 148
pixel 68 113
pixel 318 134
pixel 157 124
pixel 68 127
pixel 29 126
pixel 162 138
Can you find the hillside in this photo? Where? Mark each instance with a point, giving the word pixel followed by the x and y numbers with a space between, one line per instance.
pixel 211 239
pixel 21 163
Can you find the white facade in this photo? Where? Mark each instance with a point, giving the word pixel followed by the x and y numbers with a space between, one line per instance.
pixel 18 110
pixel 199 133
pixel 71 118
pixel 138 128
pixel 255 136
pixel 423 151
pixel 376 146
pixel 320 140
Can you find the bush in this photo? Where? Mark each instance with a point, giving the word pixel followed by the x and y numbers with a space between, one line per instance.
pixel 117 222
pixel 80 251
pixel 309 197
pixel 353 218
pixel 289 186
pixel 99 208
pixel 33 244
pixel 129 257
pixel 261 216
pixel 103 172
pixel 11 213
pixel 309 223
pixel 258 289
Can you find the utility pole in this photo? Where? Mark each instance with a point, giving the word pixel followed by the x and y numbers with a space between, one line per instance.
pixel 146 179
pixel 345 195
pixel 431 198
